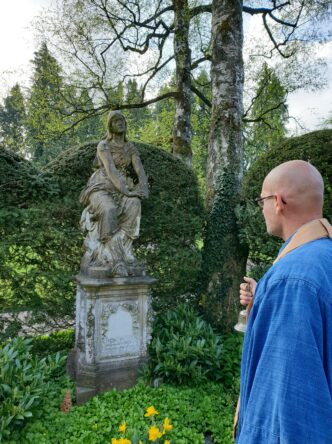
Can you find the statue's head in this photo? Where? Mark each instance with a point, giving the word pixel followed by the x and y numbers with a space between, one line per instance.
pixel 114 120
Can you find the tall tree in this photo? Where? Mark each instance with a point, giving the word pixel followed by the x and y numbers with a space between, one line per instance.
pixel 223 259
pixel 136 117
pixel 182 126
pixel 45 105
pixel 267 117
pixel 140 27
pixel 86 129
pixel 104 35
pixel 12 121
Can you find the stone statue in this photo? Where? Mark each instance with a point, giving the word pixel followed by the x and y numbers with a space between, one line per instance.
pixel 112 200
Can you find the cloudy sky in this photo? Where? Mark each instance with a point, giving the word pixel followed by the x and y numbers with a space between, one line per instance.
pixel 17 47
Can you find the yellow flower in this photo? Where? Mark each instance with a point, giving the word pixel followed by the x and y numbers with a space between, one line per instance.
pixel 154 433
pixel 121 441
pixel 151 411
pixel 167 441
pixel 123 427
pixel 166 425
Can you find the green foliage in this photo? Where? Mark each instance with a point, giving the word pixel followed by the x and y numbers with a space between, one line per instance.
pixel 59 341
pixel 223 258
pixel 158 129
pixel 193 412
pixel 38 255
pixel 136 117
pixel 85 128
pixel 45 106
pixel 270 111
pixel 41 245
pixel 42 123
pixel 184 348
pixel 24 383
pixel 12 120
pixel 231 360
pixel 21 184
pixel 315 147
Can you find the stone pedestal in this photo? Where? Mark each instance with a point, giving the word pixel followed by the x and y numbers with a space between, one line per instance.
pixel 113 327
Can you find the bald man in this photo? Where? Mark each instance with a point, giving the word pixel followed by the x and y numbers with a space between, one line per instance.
pixel 286 370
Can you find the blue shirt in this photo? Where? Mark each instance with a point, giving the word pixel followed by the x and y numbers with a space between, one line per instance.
pixel 286 369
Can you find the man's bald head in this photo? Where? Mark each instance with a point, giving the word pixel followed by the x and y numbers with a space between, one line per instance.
pixel 297 180
pixel 298 189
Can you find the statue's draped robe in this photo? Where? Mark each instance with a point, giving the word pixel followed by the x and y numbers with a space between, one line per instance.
pixel 111 209
pixel 286 370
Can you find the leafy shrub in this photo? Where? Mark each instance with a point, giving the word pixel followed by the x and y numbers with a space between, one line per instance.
pixel 24 382
pixel 21 182
pixel 193 412
pixel 184 348
pixel 314 147
pixel 231 360
pixel 55 342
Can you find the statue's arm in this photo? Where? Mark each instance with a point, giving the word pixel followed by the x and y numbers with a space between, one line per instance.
pixel 107 160
pixel 142 179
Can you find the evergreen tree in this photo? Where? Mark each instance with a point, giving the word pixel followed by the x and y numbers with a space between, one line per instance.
pixel 45 108
pixel 91 128
pixel 268 113
pixel 12 121
pixel 136 117
pixel 158 129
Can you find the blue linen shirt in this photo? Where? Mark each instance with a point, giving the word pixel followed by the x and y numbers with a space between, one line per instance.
pixel 286 369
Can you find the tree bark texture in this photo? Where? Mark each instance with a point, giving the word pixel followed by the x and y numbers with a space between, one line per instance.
pixel 182 127
pixel 223 258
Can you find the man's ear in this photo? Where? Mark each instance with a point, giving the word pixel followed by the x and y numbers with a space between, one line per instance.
pixel 279 203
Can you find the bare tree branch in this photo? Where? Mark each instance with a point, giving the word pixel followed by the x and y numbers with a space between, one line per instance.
pixel 197 10
pixel 197 62
pixel 100 110
pixel 267 111
pixel 201 96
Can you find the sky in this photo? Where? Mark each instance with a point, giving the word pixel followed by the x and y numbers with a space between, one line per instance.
pixel 17 42
pixel 18 45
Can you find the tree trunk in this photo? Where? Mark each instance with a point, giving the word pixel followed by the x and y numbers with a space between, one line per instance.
pixel 182 128
pixel 223 258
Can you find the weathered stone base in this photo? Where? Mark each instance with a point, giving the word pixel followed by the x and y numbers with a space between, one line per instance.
pixel 113 326
pixel 92 380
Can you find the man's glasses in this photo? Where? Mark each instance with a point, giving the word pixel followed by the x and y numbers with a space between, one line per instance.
pixel 260 200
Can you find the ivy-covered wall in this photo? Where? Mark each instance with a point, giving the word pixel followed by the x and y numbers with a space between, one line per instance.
pixel 314 147
pixel 41 245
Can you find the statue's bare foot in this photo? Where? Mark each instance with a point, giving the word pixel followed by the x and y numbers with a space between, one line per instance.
pixel 130 258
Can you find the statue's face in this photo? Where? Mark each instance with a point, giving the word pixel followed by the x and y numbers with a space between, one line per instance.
pixel 118 124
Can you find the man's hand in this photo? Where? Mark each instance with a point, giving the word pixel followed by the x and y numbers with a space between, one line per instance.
pixel 247 290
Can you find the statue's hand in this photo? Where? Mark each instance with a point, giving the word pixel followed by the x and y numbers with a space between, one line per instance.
pixel 123 187
pixel 140 192
pixel 137 193
pixel 145 192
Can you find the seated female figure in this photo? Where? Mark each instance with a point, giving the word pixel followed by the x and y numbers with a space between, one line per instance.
pixel 113 202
